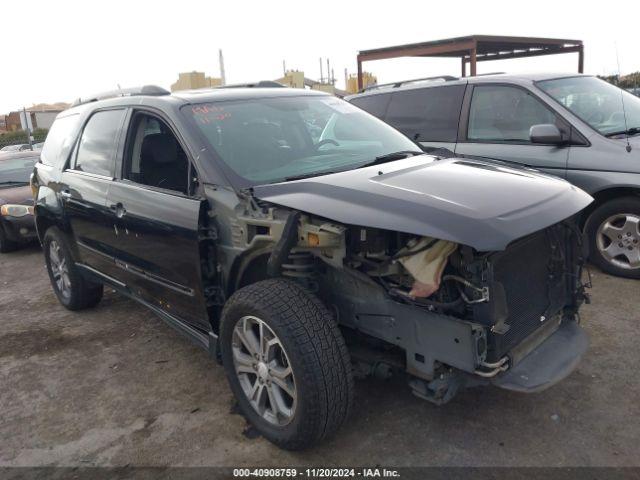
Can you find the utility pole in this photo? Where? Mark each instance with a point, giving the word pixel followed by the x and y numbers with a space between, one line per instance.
pixel 321 76
pixel 328 72
pixel 223 80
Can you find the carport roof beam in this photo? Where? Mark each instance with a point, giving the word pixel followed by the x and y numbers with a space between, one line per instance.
pixel 477 48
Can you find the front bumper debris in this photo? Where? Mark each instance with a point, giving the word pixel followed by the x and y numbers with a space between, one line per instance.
pixel 553 360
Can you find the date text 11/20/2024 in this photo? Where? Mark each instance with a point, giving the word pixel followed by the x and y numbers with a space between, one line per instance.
pixel 315 473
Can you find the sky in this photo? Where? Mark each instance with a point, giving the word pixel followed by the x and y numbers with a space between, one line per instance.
pixel 62 49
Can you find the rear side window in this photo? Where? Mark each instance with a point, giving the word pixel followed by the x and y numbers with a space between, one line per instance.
pixel 97 147
pixel 376 105
pixel 428 114
pixel 501 113
pixel 60 139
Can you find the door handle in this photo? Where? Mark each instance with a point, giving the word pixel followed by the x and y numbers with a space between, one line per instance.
pixel 119 209
pixel 66 194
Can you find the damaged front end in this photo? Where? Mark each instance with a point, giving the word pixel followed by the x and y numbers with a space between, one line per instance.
pixel 446 314
pixel 454 271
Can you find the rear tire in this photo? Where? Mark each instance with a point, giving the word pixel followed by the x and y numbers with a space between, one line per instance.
pixel 300 337
pixel 613 230
pixel 73 290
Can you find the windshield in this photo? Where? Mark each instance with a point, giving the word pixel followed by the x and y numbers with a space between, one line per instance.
pixel 266 140
pixel 16 170
pixel 596 102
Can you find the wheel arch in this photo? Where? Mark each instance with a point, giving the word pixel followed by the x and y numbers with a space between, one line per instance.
pixel 251 267
pixel 605 195
pixel 44 220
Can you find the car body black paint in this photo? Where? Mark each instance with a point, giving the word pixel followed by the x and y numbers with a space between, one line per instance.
pixel 152 245
pixel 472 202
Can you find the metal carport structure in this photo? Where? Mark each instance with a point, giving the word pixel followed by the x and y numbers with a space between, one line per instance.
pixel 476 48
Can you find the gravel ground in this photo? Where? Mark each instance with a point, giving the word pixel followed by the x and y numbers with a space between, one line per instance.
pixel 116 386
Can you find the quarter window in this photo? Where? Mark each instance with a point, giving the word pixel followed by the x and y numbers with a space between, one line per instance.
pixel 505 114
pixel 97 147
pixel 59 140
pixel 427 114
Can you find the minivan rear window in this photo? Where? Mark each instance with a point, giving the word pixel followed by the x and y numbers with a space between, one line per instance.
pixel 376 105
pixel 427 114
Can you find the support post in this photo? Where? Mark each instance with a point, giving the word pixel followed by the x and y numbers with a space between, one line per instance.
pixel 359 74
pixel 464 67
pixel 472 62
pixel 581 59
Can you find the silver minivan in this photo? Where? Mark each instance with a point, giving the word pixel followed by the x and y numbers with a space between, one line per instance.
pixel 577 127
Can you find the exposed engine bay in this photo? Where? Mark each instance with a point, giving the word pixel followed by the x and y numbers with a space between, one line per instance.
pixel 441 275
pixel 448 306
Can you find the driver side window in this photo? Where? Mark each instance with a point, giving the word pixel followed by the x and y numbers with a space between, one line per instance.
pixel 154 156
pixel 502 113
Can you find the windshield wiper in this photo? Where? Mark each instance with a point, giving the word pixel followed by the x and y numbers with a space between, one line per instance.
pixel 310 175
pixel 391 157
pixel 631 131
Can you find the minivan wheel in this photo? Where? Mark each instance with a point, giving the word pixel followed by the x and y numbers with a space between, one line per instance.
pixel 73 290
pixel 614 235
pixel 286 363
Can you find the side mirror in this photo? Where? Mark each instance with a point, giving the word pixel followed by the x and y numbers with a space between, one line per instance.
pixel 545 133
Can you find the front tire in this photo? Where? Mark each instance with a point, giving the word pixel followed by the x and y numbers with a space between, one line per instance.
pixel 286 363
pixel 74 291
pixel 613 230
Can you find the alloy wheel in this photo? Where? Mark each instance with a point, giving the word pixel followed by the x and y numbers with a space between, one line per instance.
pixel 618 240
pixel 59 269
pixel 263 369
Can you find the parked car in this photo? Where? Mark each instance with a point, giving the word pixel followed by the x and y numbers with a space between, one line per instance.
pixel 289 252
pixel 15 148
pixel 16 200
pixel 577 127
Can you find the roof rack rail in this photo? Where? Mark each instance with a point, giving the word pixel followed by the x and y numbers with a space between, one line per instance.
pixel 442 78
pixel 151 90
pixel 490 73
pixel 259 84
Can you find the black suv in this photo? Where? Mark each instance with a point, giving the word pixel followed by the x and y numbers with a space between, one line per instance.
pixel 301 240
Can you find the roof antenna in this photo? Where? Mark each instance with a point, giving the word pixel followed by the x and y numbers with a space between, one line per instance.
pixel 624 112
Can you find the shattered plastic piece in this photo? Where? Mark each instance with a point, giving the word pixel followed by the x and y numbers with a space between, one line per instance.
pixel 426 266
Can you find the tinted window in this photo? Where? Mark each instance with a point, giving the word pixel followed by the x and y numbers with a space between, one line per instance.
pixel 502 113
pixel 59 140
pixel 374 104
pixel 98 143
pixel 428 114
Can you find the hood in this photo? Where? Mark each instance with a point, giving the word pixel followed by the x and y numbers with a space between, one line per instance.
pixel 18 195
pixel 472 202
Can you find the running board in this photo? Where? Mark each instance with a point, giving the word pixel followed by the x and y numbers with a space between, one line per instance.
pixel 208 341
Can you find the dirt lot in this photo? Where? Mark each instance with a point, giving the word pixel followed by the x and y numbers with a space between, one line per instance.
pixel 116 386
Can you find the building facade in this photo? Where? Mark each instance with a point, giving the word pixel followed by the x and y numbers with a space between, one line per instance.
pixel 194 80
